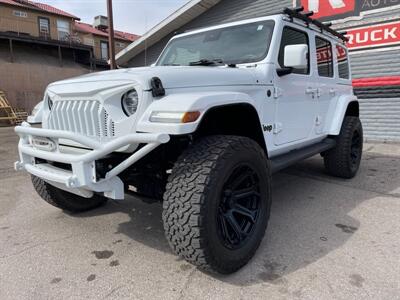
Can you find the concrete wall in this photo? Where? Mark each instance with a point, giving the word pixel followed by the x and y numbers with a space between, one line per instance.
pixel 25 80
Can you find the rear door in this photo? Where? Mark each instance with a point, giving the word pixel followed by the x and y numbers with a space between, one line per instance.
pixel 296 104
pixel 326 83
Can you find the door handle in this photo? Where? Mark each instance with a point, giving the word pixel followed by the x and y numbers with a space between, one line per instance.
pixel 332 91
pixel 311 90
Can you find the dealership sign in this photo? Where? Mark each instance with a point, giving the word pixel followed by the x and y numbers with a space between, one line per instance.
pixel 387 34
pixel 328 10
pixel 372 36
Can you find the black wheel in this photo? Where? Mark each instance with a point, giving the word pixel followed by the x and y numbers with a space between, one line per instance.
pixel 344 160
pixel 64 200
pixel 217 203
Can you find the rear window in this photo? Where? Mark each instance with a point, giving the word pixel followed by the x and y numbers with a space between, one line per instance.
pixel 343 62
pixel 324 57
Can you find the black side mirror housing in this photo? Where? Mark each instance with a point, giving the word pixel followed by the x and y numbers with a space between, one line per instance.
pixel 284 71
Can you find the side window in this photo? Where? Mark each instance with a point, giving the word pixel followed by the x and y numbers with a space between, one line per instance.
pixel 324 57
pixel 291 36
pixel 343 62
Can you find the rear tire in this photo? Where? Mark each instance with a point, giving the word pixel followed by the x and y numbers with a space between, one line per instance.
pixel 217 203
pixel 64 200
pixel 344 160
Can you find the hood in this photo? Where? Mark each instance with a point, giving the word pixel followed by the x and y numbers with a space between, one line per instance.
pixel 171 77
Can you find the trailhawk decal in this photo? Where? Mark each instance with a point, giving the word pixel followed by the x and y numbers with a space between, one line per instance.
pixel 328 10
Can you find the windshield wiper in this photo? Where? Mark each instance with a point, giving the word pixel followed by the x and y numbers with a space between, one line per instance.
pixel 207 62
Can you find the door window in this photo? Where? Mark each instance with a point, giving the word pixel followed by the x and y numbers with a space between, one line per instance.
pixel 324 57
pixel 291 36
pixel 44 27
pixel 343 62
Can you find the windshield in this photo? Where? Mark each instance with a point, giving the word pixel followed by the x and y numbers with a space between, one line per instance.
pixel 240 44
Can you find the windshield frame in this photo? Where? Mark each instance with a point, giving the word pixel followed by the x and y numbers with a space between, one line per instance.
pixel 221 27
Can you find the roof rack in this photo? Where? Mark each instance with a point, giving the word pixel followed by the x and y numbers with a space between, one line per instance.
pixel 295 13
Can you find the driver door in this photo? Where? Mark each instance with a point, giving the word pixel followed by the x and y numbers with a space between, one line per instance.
pixel 296 105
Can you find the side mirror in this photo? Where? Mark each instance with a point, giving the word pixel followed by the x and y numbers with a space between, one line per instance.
pixel 296 57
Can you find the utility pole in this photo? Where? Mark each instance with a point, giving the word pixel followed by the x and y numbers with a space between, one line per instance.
pixel 111 43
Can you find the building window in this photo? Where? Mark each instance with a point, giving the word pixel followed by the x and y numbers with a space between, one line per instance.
pixel 44 27
pixel 88 41
pixel 63 30
pixel 120 45
pixel 104 50
pixel 20 14
pixel 343 62
pixel 324 57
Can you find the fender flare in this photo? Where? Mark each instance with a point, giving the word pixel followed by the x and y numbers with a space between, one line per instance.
pixel 339 113
pixel 188 102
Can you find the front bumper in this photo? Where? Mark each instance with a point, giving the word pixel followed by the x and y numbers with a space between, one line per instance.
pixel 82 179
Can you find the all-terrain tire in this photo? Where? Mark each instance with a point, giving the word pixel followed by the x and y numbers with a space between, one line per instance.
pixel 193 202
pixel 344 160
pixel 64 200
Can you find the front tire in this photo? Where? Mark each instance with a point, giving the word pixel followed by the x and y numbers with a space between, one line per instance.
pixel 66 201
pixel 344 160
pixel 217 203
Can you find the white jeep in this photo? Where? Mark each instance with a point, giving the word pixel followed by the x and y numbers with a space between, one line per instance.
pixel 202 131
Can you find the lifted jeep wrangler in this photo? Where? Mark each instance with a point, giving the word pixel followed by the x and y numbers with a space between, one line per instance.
pixel 202 131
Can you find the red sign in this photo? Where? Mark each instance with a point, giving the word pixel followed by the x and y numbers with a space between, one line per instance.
pixel 374 36
pixel 327 10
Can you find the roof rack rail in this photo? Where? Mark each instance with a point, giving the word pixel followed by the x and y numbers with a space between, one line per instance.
pixel 296 13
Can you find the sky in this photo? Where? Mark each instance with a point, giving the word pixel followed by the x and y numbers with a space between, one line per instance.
pixel 134 16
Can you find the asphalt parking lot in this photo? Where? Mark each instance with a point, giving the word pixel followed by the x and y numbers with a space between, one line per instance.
pixel 327 239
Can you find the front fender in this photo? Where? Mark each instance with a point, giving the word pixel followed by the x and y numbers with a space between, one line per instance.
pixel 187 102
pixel 338 113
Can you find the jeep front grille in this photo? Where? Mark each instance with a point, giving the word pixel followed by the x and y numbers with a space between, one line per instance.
pixel 81 116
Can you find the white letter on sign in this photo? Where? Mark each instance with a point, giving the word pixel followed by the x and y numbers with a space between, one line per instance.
pixel 390 33
pixel 374 37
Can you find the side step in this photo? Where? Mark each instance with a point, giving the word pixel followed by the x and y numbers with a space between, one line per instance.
pixel 285 160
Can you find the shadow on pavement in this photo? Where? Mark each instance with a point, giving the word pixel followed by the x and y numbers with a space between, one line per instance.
pixel 311 217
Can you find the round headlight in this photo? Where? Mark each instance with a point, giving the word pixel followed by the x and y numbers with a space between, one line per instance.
pixel 130 102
